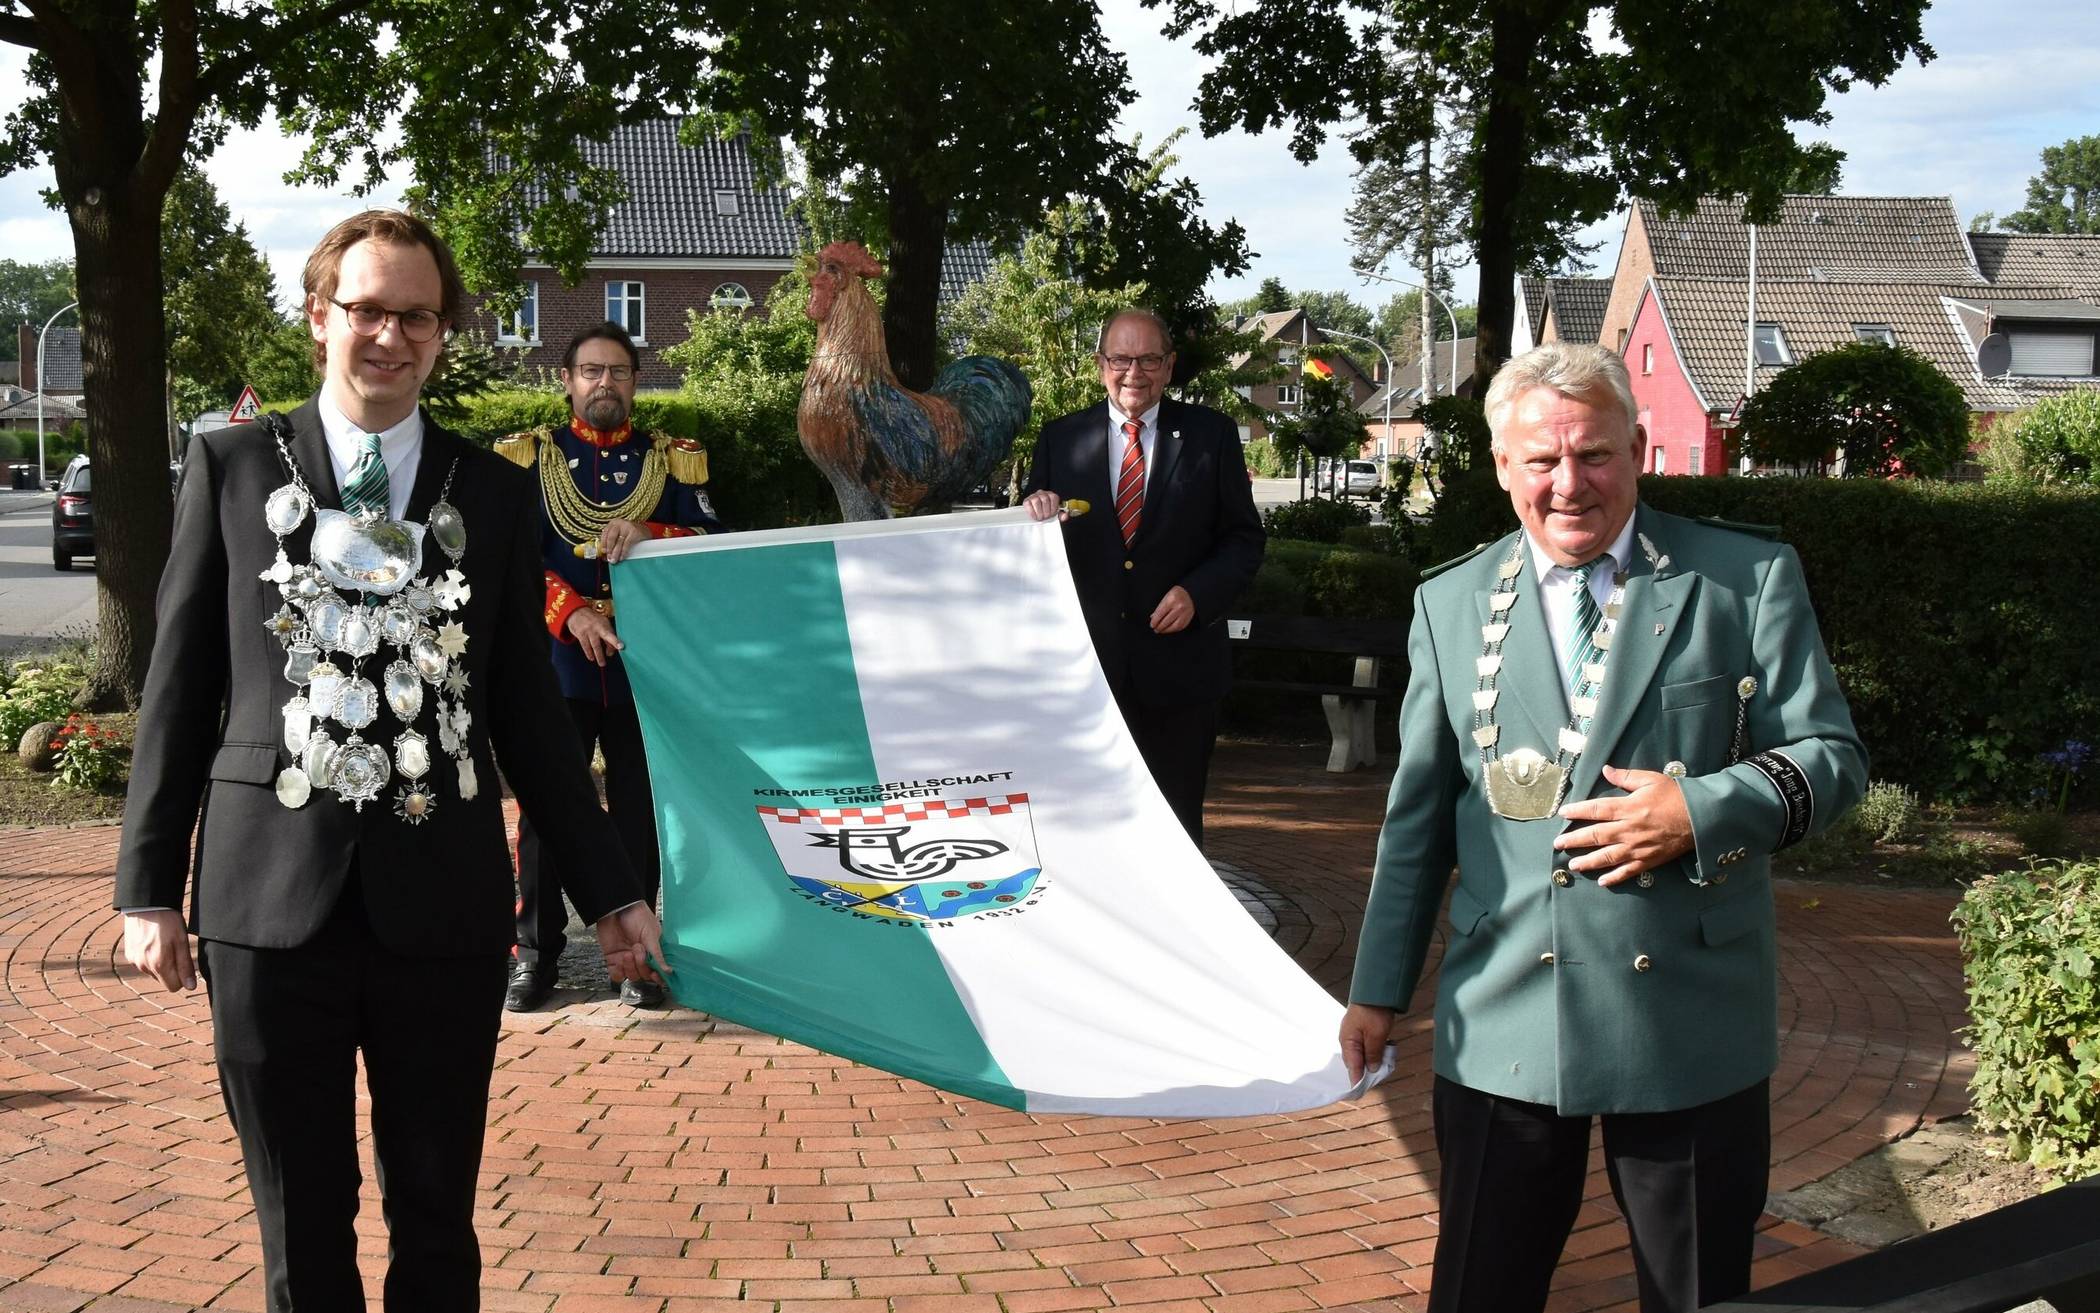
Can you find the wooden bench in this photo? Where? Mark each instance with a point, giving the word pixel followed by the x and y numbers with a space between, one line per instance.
pixel 2047 1247
pixel 1351 708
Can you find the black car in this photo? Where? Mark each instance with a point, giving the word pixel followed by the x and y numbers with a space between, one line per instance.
pixel 72 517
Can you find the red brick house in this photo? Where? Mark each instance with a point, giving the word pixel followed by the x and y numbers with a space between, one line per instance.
pixel 695 231
pixel 1831 271
pixel 1285 335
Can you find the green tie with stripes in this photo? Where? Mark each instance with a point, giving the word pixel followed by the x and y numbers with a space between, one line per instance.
pixel 366 487
pixel 1582 643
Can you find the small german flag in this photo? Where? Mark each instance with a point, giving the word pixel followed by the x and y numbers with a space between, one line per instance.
pixel 1318 368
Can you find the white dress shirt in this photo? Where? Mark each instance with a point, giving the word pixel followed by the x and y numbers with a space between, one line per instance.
pixel 1557 589
pixel 1148 433
pixel 401 447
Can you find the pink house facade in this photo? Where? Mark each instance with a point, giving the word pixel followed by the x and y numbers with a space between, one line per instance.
pixel 1683 435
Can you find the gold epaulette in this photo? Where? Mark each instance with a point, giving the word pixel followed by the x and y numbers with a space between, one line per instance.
pixel 521 449
pixel 1766 531
pixel 687 458
pixel 1435 570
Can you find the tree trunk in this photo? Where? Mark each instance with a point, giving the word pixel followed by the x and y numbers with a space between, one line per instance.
pixel 1505 151
pixel 116 247
pixel 910 317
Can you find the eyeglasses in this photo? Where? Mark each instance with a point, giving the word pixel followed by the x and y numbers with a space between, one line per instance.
pixel 1123 364
pixel 368 319
pixel 594 373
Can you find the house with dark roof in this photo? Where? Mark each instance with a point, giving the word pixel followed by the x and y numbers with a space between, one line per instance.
pixel 1285 337
pixel 1401 435
pixel 695 231
pixel 1558 310
pixel 61 362
pixel 1833 271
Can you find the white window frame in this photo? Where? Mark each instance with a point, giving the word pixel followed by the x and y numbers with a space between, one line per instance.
pixel 632 293
pixel 1881 333
pixel 727 201
pixel 1647 358
pixel 1286 394
pixel 741 301
pixel 1662 459
pixel 507 328
pixel 1695 459
pixel 1778 344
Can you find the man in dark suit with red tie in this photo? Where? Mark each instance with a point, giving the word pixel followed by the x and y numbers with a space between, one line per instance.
pixel 1171 540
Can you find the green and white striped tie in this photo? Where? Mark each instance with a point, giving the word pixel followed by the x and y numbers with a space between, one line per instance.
pixel 366 488
pixel 1582 643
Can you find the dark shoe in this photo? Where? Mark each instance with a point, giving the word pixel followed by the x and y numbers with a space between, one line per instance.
pixel 529 987
pixel 641 994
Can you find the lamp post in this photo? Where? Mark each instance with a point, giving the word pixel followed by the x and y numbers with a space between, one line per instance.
pixel 1429 384
pixel 40 389
pixel 1358 337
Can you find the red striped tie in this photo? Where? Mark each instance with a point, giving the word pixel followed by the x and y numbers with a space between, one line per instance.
pixel 1130 483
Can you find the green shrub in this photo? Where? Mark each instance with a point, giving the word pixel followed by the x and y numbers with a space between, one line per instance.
pixel 32 692
pixel 91 757
pixel 1367 538
pixel 1470 509
pixel 1264 459
pixel 11 444
pixel 1884 409
pixel 1959 616
pixel 1887 813
pixel 2039 833
pixel 2027 941
pixel 1314 519
pixel 2056 440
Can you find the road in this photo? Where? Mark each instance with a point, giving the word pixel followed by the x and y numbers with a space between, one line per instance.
pixel 37 603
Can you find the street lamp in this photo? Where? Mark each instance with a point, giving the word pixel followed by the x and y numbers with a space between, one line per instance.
pixel 1357 337
pixel 40 388
pixel 1429 382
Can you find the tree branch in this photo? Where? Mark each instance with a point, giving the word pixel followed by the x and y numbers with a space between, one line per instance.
pixel 177 112
pixel 15 30
pixel 224 71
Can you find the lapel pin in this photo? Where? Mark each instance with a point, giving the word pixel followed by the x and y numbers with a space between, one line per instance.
pixel 1659 630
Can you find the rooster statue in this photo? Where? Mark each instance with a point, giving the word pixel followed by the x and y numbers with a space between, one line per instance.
pixel 885 448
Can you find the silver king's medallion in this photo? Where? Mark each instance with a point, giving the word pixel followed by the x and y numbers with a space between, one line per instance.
pixel 1524 785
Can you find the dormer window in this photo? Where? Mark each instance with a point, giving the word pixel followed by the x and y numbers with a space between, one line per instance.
pixel 1771 346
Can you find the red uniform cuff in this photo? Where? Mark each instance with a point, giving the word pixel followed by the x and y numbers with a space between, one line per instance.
pixel 657 530
pixel 562 602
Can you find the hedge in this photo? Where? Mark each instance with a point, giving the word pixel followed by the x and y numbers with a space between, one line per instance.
pixel 1959 616
pixel 1316 579
pixel 2028 940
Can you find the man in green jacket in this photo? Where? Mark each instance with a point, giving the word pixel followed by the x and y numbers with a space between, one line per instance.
pixel 1613 718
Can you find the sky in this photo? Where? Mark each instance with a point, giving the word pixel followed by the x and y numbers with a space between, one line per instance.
pixel 1969 125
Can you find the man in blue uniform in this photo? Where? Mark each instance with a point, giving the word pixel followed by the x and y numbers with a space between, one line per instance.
pixel 603 488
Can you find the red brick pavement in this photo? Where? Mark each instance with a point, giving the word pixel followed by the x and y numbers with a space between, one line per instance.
pixel 676 1163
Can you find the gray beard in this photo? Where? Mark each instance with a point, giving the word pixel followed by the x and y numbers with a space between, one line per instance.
pixel 604 413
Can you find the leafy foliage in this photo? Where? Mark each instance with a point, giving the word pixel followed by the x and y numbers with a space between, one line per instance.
pixel 2065 196
pixel 1886 812
pixel 1314 520
pixel 31 293
pixel 1884 410
pixel 32 692
pixel 91 757
pixel 1325 422
pixel 1957 615
pixel 1563 124
pixel 2028 942
pixel 1029 310
pixel 2056 440
pixel 219 297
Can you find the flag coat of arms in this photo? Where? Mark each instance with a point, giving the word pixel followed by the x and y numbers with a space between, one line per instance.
pixel 901 821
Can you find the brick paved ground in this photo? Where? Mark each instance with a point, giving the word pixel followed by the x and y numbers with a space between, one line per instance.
pixel 665 1163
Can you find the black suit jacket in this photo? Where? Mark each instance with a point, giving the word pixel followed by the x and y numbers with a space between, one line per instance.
pixel 1199 529
pixel 211 732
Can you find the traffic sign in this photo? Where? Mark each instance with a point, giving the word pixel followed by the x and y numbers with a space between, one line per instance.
pixel 246 409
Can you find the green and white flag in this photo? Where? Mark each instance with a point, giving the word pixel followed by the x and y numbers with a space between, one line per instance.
pixel 902 822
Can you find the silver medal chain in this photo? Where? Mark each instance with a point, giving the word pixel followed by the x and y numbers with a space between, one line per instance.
pixel 1528 764
pixel 372 558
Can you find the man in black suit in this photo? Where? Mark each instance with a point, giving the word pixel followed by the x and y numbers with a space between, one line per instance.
pixel 1172 538
pixel 350 896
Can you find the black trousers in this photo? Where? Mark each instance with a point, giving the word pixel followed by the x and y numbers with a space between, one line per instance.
pixel 1176 743
pixel 288 1025
pixel 542 919
pixel 1690 1183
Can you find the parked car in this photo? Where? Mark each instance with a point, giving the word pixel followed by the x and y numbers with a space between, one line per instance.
pixel 1360 479
pixel 72 516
